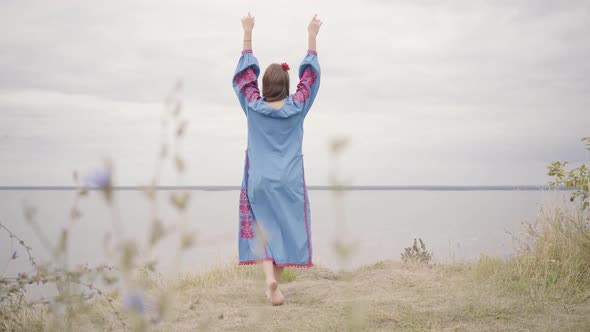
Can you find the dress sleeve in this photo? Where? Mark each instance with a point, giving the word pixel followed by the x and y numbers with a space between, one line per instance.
pixel 309 81
pixel 245 80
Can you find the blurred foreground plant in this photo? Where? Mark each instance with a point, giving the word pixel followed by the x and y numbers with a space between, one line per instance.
pixel 343 245
pixel 121 288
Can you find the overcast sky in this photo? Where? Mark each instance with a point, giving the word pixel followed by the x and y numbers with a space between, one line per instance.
pixel 428 92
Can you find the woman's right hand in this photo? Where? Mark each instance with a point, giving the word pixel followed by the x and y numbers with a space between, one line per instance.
pixel 248 23
pixel 314 26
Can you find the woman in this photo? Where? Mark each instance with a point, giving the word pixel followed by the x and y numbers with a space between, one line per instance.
pixel 274 209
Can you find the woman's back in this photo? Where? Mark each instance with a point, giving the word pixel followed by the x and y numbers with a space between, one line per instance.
pixel 274 143
pixel 275 134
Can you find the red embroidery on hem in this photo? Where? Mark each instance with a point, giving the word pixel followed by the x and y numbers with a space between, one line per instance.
pixel 258 261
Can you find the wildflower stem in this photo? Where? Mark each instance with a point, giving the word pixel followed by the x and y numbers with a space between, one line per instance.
pixel 21 242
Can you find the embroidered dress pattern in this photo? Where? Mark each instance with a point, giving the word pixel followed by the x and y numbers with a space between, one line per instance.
pixel 246 231
pixel 304 86
pixel 248 84
pixel 273 196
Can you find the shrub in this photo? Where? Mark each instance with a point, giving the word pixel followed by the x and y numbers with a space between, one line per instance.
pixel 552 258
pixel 416 254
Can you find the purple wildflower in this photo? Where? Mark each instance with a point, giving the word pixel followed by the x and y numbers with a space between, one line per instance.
pixel 101 178
pixel 134 302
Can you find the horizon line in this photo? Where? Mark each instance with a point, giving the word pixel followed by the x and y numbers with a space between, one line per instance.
pixel 311 187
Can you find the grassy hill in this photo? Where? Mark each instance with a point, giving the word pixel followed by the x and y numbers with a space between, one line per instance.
pixel 470 296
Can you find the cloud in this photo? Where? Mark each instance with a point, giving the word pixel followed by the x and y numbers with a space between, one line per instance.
pixel 423 88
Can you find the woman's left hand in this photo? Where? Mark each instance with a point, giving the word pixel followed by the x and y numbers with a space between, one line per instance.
pixel 248 23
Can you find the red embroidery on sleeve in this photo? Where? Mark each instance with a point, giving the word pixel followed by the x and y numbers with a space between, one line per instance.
pixel 304 87
pixel 247 84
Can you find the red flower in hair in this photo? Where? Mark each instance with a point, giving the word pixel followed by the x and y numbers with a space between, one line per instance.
pixel 285 66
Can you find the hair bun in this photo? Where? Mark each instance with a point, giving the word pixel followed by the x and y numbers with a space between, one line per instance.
pixel 285 66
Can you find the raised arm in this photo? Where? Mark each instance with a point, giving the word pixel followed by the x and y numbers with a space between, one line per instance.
pixel 245 80
pixel 248 26
pixel 312 33
pixel 309 70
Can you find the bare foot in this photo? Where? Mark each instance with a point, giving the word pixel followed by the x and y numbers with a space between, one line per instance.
pixel 277 297
pixel 271 286
pixel 273 294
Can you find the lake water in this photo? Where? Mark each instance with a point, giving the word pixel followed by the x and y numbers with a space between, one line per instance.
pixel 455 225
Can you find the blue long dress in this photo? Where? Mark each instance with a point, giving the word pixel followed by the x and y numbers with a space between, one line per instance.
pixel 274 213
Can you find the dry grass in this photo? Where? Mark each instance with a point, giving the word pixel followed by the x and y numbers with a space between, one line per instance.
pixel 385 296
pixel 555 261
pixel 552 263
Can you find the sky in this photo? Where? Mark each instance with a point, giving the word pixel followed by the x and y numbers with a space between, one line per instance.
pixel 425 92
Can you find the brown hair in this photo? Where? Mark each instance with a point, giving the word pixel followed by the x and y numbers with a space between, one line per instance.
pixel 275 83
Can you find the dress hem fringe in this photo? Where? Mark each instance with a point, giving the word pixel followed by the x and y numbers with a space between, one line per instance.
pixel 258 261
